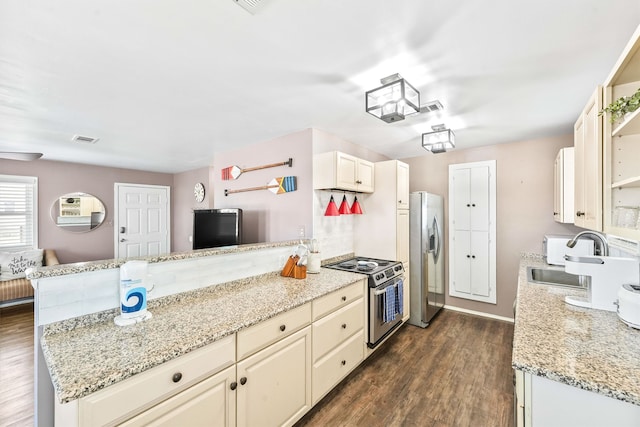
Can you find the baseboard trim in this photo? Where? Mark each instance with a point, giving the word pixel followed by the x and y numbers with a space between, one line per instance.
pixel 479 313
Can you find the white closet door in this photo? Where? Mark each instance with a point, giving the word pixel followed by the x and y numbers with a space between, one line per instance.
pixel 479 198
pixel 460 195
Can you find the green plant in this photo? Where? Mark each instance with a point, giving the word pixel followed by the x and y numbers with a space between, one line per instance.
pixel 621 106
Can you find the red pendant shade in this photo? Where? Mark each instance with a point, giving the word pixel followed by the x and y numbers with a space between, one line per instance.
pixel 332 209
pixel 356 209
pixel 344 207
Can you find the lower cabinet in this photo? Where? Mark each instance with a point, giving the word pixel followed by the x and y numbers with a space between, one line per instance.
pixel 269 374
pixel 541 402
pixel 209 403
pixel 274 385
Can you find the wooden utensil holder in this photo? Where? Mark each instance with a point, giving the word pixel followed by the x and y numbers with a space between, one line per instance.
pixel 292 269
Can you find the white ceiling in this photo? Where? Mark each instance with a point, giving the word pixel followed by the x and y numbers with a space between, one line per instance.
pixel 166 84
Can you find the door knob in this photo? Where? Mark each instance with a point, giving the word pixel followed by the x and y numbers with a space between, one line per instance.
pixel 123 240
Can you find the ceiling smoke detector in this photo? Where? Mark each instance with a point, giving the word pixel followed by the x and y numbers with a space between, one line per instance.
pixel 84 139
pixel 250 6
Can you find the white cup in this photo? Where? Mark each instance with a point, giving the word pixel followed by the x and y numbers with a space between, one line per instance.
pixel 313 262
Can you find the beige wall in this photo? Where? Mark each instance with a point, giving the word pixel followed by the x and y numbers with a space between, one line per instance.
pixel 524 214
pixel 58 178
pixel 183 203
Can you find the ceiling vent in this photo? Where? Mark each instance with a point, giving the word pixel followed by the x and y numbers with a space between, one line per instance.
pixel 84 139
pixel 431 106
pixel 250 6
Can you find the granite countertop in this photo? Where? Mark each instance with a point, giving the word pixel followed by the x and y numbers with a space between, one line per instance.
pixel 88 353
pixel 82 267
pixel 585 348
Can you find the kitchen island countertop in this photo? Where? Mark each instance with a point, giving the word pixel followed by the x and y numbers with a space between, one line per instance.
pixel 585 348
pixel 88 353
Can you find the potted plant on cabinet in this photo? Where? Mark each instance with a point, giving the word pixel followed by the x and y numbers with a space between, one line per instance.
pixel 621 106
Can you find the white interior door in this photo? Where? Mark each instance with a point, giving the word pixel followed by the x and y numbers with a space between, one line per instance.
pixel 142 220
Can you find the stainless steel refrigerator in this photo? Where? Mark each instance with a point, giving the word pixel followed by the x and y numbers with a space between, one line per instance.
pixel 426 256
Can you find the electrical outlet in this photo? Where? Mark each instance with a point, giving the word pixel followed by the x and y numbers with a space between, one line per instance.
pixel 301 231
pixel 191 239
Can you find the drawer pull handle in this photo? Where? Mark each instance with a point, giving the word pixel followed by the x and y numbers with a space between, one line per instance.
pixel 344 298
pixel 344 362
pixel 177 377
pixel 344 326
pixel 243 380
pixel 234 385
pixel 283 327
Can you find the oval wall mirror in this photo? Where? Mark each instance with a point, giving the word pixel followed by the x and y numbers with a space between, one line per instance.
pixel 78 212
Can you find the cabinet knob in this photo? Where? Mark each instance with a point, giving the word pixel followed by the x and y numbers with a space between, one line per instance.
pixel 468 205
pixel 468 256
pixel 579 213
pixel 473 256
pixel 358 182
pixel 283 327
pixel 344 298
pixel 243 380
pixel 177 377
pixel 344 362
pixel 233 385
pixel 473 205
pixel 344 326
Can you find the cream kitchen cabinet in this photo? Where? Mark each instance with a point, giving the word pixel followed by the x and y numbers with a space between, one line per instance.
pixel 563 186
pixel 341 171
pixel 274 385
pixel 169 387
pixel 472 231
pixel 588 165
pixel 622 145
pixel 541 402
pixel 274 370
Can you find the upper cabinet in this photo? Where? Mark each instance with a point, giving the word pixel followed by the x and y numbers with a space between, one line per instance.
pixel 337 170
pixel 563 185
pixel 588 165
pixel 622 147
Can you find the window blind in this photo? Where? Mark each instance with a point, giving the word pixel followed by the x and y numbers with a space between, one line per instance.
pixel 18 212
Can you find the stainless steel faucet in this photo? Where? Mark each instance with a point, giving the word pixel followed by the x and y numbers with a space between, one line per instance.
pixel 602 246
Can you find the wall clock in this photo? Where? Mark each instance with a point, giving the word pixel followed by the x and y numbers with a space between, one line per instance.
pixel 198 192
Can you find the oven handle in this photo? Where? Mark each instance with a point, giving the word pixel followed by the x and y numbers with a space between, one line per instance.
pixel 383 290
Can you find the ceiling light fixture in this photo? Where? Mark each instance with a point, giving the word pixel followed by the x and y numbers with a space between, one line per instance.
pixel 440 140
pixel 394 100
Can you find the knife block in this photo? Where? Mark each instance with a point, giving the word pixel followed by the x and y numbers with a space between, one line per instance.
pixel 292 269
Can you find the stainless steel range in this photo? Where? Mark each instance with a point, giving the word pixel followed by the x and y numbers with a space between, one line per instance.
pixel 384 304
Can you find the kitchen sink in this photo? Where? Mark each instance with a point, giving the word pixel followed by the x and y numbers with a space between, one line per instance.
pixel 555 277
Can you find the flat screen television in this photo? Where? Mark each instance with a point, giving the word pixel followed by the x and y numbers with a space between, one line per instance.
pixel 216 227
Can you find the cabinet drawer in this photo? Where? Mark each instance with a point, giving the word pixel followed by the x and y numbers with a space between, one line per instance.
pixel 333 301
pixel 264 333
pixel 129 397
pixel 336 365
pixel 333 329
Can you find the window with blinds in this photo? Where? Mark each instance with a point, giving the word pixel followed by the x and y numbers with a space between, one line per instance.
pixel 18 212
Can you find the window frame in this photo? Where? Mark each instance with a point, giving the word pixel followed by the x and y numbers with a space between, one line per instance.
pixel 33 180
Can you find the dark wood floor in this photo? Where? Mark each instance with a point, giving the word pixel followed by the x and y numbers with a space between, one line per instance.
pixel 16 365
pixel 456 372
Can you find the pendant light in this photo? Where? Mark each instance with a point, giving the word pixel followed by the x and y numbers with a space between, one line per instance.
pixel 332 209
pixel 344 206
pixel 356 209
pixel 394 100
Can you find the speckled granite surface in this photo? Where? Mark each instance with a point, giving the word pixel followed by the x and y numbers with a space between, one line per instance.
pixel 89 353
pixel 81 267
pixel 585 348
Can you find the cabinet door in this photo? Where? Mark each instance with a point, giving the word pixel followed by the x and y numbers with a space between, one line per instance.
pixel 479 251
pixel 403 185
pixel 460 196
pixel 588 165
pixel 461 267
pixel 402 236
pixel 558 190
pixel 208 403
pixel 346 171
pixel 365 176
pixel 479 198
pixel 274 385
pixel 406 293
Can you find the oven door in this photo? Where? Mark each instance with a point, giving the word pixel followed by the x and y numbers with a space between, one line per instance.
pixel 385 314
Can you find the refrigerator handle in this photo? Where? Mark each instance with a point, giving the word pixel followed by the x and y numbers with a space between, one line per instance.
pixel 436 243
